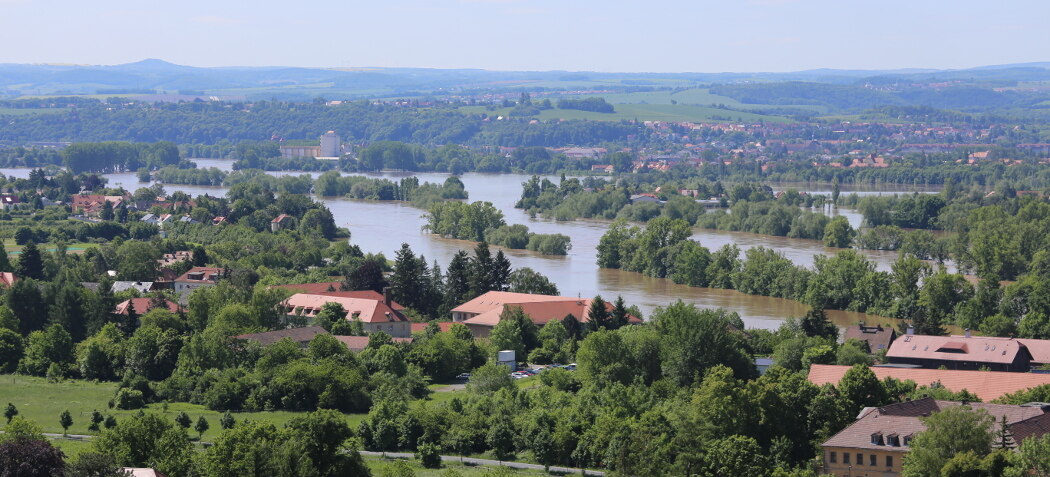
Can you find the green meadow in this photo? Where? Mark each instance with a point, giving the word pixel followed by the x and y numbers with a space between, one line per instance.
pixel 43 402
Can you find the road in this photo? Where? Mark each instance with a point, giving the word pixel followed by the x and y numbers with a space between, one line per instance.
pixel 408 455
pixel 473 461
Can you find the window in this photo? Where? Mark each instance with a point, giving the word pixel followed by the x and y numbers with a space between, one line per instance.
pixel 833 457
pixel 845 457
pixel 860 459
pixel 889 461
pixel 871 460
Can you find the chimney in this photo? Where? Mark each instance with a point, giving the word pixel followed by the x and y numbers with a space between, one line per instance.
pixel 386 296
pixel 967 332
pixel 911 330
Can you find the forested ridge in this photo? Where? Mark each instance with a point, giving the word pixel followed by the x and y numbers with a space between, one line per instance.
pixel 217 122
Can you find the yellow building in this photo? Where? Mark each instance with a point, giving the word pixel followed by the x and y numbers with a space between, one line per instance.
pixel 875 445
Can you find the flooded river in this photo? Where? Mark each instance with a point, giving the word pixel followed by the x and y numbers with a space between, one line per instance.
pixel 384 226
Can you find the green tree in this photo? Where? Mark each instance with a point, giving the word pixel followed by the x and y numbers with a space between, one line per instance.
pixel 5 261
pixel 65 420
pixel 44 348
pixel 490 378
pixel 816 324
pixel 500 437
pixel 860 386
pixel 1034 455
pixel 736 455
pixel 96 421
pixel 515 331
pixel 11 349
pixel 429 455
pixel 201 426
pixel 695 340
pixel 603 357
pixel 227 421
pixel 527 280
pixel 30 264
pixel 10 412
pixel 838 233
pixel 949 432
pixel 183 420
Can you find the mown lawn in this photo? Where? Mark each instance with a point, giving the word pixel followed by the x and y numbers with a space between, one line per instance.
pixel 43 402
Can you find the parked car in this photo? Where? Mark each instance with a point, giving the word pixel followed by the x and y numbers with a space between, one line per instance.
pixel 463 376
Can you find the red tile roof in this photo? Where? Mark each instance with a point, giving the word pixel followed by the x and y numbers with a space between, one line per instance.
pixel 7 279
pixel 322 288
pixel 210 275
pixel 877 337
pixel 987 385
pixel 956 348
pixel 143 305
pixel 542 312
pixel 298 335
pixel 368 310
pixel 420 327
pixel 902 419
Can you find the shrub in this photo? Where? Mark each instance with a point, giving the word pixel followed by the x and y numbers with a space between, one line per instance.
pixel 130 399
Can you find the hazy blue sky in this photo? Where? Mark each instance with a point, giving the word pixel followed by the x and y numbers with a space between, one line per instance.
pixel 607 35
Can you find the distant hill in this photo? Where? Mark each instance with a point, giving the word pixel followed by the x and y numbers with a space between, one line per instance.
pixel 292 83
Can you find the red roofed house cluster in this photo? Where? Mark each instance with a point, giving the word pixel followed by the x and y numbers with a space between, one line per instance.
pixel 483 313
pixel 92 204
pixel 376 312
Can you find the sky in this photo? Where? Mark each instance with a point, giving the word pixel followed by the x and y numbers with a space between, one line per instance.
pixel 574 35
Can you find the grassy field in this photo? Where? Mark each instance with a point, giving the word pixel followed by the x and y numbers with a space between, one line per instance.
pixel 73 447
pixel 42 402
pixel 75 247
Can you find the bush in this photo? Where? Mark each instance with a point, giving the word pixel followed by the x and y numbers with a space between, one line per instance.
pixel 429 455
pixel 130 399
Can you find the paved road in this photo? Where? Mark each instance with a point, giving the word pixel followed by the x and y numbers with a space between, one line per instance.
pixel 408 455
pixel 471 460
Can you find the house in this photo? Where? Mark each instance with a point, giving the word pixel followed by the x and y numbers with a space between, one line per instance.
pixel 374 314
pixel 987 385
pixel 961 352
pixel 92 204
pixel 150 219
pixel 639 198
pixel 880 438
pixel 482 314
pixel 11 201
pixel 141 472
pixel 219 221
pixel 877 337
pixel 282 221
pixel 333 289
pixel 142 305
pixel 173 258
pixel 7 279
pixel 141 287
pixel 607 168
pixel 301 336
pixel 358 344
pixel 198 277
